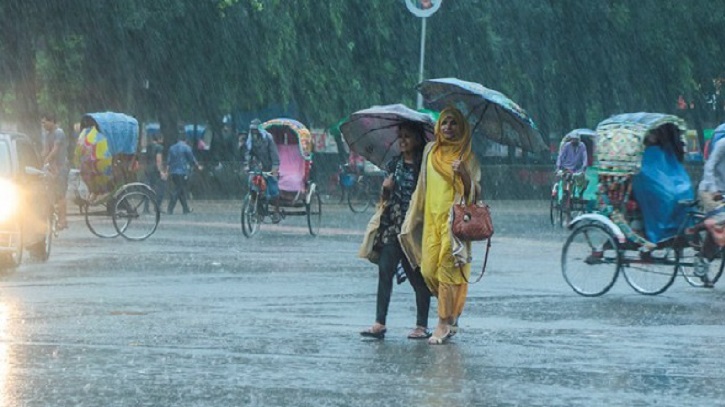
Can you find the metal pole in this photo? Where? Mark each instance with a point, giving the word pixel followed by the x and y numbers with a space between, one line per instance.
pixel 422 58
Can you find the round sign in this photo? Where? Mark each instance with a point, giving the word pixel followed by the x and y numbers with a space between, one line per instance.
pixel 423 8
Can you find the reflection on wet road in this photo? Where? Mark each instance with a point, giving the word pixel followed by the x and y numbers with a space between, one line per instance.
pixel 198 315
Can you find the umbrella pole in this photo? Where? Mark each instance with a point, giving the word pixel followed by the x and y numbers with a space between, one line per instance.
pixel 422 59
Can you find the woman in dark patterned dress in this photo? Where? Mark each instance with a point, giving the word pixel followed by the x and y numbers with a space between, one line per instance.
pixel 381 244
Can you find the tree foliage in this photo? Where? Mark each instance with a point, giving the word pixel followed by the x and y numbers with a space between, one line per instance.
pixel 569 63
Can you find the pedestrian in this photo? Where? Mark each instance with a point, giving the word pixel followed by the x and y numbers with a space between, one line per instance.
pixel 262 154
pixel 156 175
pixel 381 243
pixel 179 165
pixel 449 172
pixel 55 157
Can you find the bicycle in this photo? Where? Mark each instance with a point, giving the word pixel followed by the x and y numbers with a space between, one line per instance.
pixel 365 192
pixel 566 199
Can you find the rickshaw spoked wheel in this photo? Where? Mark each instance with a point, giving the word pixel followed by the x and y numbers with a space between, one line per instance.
pixel 313 207
pixel 250 218
pixel 360 196
pixel 651 273
pixel 699 268
pixel 99 218
pixel 590 260
pixel 136 214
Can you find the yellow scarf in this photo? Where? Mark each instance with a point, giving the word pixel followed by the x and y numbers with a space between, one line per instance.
pixel 446 151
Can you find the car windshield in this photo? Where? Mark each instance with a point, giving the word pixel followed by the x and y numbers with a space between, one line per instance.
pixel 5 166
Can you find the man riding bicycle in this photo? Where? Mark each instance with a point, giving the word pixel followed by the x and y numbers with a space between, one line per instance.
pixel 573 160
pixel 262 148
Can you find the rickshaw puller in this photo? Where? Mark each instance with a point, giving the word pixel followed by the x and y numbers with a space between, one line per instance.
pixel 261 146
pixel 573 158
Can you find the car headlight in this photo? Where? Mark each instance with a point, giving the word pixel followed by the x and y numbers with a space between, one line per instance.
pixel 9 198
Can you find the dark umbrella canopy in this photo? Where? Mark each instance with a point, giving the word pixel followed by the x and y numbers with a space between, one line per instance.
pixel 373 132
pixel 491 114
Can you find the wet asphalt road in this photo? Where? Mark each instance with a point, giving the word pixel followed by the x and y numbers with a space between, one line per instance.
pixel 199 315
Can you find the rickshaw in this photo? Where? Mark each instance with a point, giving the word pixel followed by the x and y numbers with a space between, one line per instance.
pixel 298 191
pixel 568 200
pixel 646 224
pixel 106 155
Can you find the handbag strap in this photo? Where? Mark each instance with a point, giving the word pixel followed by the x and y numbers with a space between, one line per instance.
pixel 483 269
pixel 471 187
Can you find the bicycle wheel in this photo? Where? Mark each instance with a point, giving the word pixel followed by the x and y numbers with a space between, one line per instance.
pixel 700 270
pixel 590 260
pixel 553 210
pixel 250 216
pixel 651 273
pixel 566 203
pixel 99 219
pixel 314 212
pixel 130 217
pixel 358 197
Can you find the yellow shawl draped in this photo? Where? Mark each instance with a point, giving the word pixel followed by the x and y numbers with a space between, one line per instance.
pixel 446 151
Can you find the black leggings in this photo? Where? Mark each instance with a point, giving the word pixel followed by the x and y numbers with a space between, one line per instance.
pixel 390 256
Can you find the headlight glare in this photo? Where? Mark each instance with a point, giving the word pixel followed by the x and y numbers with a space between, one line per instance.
pixel 8 199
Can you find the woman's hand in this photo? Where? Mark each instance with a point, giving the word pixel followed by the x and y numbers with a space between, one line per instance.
pixel 388 183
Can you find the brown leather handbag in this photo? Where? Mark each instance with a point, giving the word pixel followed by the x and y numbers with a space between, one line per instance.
pixel 472 222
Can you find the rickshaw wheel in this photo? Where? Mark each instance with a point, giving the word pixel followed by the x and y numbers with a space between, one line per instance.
pixel 250 218
pixel 651 273
pixel 136 215
pixel 359 196
pixel 565 212
pixel 697 269
pixel 553 210
pixel 314 212
pixel 99 219
pixel 590 260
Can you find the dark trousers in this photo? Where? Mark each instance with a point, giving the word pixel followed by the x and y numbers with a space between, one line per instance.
pixel 179 192
pixel 390 256
pixel 158 185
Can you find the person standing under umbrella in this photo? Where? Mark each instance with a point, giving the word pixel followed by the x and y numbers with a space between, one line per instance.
pixel 449 172
pixel 381 243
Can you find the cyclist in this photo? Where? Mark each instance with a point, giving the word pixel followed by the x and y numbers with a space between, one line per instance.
pixel 711 191
pixel 573 160
pixel 261 147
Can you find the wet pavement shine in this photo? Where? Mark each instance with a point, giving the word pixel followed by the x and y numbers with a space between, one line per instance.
pixel 199 315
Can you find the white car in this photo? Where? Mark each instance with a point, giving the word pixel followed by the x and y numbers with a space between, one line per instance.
pixel 27 219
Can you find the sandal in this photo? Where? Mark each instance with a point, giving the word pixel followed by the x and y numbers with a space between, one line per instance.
pixel 419 333
pixel 369 333
pixel 439 340
pixel 453 330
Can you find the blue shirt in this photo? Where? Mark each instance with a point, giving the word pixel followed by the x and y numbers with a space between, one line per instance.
pixel 180 159
pixel 572 158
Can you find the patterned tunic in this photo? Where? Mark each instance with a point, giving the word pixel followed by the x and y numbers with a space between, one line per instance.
pixel 406 177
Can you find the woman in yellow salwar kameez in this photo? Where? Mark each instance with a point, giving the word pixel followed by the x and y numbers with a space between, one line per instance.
pixel 449 171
